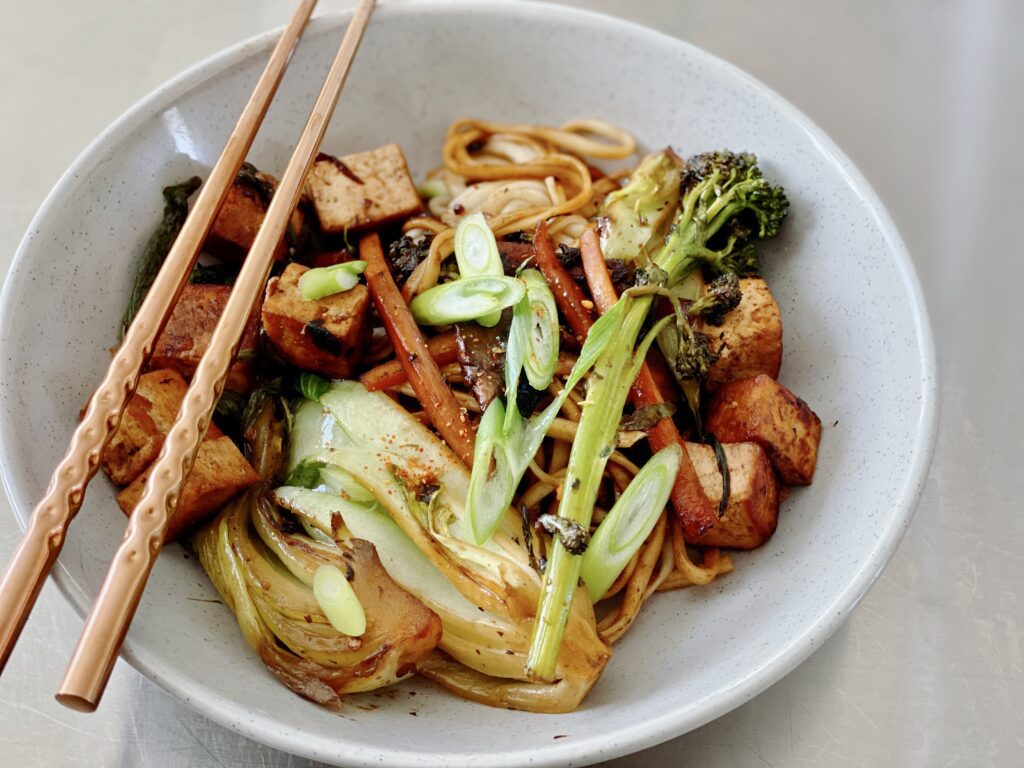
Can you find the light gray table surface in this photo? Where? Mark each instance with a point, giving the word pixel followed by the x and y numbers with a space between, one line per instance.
pixel 927 97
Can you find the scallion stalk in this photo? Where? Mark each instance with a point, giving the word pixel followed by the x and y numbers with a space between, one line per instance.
pixel 327 281
pixel 468 298
pixel 630 521
pixel 535 319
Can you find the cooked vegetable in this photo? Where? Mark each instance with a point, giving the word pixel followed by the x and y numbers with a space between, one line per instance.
pixel 721 193
pixel 338 601
pixel 327 281
pixel 420 486
pixel 414 355
pixel 372 550
pixel 476 253
pixel 160 242
pixel 693 508
pixel 443 350
pixel 266 574
pixel 535 325
pixel 629 522
pixel 567 293
pixel 468 298
pixel 635 217
pixel 510 442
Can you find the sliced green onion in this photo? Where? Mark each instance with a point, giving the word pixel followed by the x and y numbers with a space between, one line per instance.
pixel 621 534
pixel 476 252
pixel 490 488
pixel 338 601
pixel 431 188
pixel 514 446
pixel 468 298
pixel 536 320
pixel 327 281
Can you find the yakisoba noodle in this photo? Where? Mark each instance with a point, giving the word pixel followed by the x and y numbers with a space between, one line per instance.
pixel 518 175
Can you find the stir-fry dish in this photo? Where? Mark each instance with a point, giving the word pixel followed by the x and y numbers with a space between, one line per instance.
pixel 475 425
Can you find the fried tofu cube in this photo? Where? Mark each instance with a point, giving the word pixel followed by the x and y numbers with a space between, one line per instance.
pixel 327 335
pixel 753 509
pixel 361 191
pixel 749 341
pixel 147 418
pixel 240 217
pixel 762 411
pixel 187 335
pixel 220 471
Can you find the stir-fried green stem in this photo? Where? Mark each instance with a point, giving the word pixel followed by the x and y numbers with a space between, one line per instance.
pixel 595 440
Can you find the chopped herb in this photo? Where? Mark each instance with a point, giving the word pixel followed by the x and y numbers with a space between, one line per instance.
pixel 306 474
pixel 647 416
pixel 569 532
pixel 159 244
pixel 312 386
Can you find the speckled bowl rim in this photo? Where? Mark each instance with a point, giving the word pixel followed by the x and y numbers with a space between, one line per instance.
pixel 630 737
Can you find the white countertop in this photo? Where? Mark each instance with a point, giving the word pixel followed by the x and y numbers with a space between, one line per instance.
pixel 926 98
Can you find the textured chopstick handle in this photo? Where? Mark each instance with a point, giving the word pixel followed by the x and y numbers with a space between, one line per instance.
pixel 111 614
pixel 35 555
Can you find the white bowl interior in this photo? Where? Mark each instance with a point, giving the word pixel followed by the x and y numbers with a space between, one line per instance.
pixel 856 348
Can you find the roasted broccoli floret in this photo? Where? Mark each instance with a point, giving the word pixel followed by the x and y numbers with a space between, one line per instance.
pixel 727 207
pixel 722 295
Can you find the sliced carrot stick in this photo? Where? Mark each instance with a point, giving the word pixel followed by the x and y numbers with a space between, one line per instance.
pixel 694 511
pixel 568 295
pixel 443 350
pixel 413 354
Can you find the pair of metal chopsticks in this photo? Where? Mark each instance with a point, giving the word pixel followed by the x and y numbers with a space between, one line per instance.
pixel 112 612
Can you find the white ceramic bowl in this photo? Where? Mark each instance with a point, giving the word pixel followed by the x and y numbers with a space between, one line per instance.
pixel 858 348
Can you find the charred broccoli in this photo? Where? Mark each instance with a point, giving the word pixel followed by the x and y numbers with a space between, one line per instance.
pixel 727 207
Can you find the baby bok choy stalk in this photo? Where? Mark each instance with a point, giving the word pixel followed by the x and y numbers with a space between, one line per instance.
pixel 485 594
pixel 476 253
pixel 272 578
pixel 629 522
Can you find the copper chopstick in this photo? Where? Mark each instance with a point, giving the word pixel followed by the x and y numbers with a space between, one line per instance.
pixel 112 612
pixel 44 537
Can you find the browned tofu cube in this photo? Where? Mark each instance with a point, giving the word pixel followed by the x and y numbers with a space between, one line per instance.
pixel 145 422
pixel 240 217
pixel 220 471
pixel 362 191
pixel 326 335
pixel 188 331
pixel 753 508
pixel 749 342
pixel 762 411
